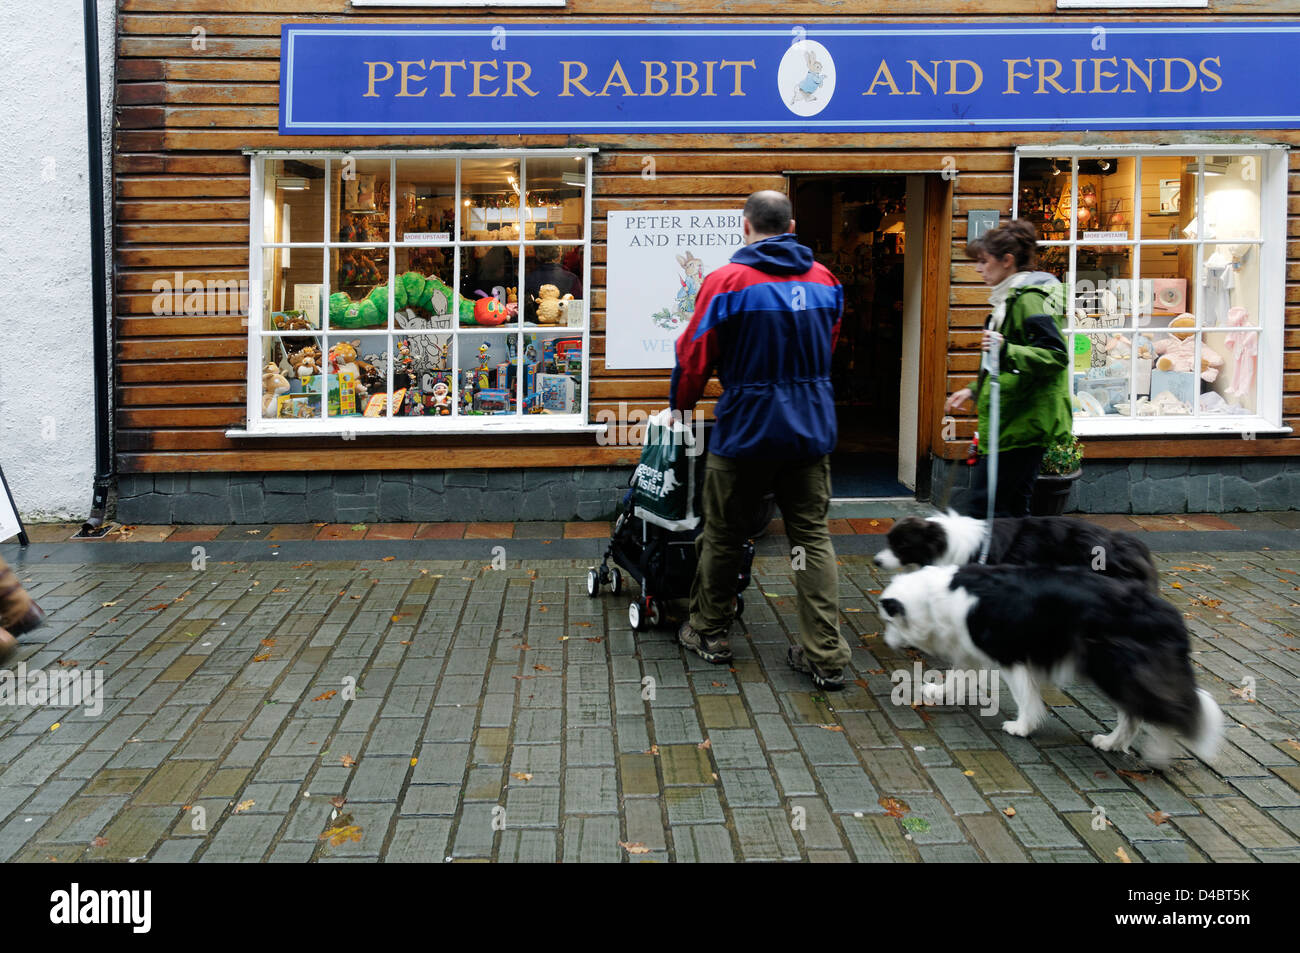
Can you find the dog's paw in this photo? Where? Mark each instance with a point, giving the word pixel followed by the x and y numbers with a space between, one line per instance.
pixel 1017 728
pixel 1104 742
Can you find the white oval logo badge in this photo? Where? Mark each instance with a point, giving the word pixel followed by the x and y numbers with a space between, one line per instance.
pixel 806 78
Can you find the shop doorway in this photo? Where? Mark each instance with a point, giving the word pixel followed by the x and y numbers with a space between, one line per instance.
pixel 860 228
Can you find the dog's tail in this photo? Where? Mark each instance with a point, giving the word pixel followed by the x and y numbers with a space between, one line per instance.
pixel 1204 742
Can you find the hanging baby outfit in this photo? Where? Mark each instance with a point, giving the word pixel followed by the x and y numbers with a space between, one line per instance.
pixel 1219 280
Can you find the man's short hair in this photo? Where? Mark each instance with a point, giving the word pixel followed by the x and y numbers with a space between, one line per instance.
pixel 547 254
pixel 769 212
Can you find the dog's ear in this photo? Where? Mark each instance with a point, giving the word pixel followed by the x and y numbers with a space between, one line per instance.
pixel 893 609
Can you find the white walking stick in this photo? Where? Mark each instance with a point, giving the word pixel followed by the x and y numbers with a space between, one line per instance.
pixel 995 399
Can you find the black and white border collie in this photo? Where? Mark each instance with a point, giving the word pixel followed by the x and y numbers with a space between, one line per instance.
pixel 948 539
pixel 1052 626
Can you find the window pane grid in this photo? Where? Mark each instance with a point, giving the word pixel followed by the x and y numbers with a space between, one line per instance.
pixel 1192 347
pixel 382 340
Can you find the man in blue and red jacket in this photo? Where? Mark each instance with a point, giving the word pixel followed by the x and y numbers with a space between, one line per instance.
pixel 767 322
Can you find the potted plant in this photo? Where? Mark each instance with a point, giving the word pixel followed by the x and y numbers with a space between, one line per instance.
pixel 1061 466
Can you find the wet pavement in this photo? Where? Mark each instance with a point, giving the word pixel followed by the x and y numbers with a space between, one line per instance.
pixel 254 697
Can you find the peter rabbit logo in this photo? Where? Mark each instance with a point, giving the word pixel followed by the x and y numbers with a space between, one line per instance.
pixel 806 78
pixel 688 286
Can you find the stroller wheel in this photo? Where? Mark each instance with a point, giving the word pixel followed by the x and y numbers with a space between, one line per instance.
pixel 616 586
pixel 634 616
pixel 653 615
pixel 593 583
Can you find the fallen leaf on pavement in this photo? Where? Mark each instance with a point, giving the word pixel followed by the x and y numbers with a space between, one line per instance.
pixel 342 833
pixel 1123 857
pixel 99 842
pixel 597 639
pixel 1173 585
pixel 522 678
pixel 969 774
pixel 269 643
pixel 717 685
pixel 521 775
pixel 1133 775
pixel 281 589
pixel 893 806
pixel 1158 817
pixel 541 668
pixel 1009 811
pixel 862 683
pixel 636 848
pixel 705 745
pixel 654 750
pixel 113 603
pixel 339 801
pixel 347 761
pixel 388 559
pixel 161 605
pixel 832 727
pixel 243 806
pixel 261 658
pixel 325 696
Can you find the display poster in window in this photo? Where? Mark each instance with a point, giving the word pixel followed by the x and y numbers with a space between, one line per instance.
pixel 656 261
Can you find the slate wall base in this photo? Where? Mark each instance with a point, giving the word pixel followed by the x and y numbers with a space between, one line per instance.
pixel 1106 486
pixel 397 496
pixel 1219 485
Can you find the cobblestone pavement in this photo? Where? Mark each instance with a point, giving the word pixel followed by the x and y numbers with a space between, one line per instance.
pixel 504 715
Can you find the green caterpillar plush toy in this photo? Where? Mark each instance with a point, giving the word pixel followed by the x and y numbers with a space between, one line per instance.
pixel 410 290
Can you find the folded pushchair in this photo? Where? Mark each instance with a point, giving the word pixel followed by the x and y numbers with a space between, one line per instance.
pixel 658 549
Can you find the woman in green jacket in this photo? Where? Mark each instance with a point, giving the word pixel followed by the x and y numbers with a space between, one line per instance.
pixel 1033 365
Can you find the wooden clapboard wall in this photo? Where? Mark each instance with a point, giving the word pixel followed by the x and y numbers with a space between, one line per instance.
pixel 182 204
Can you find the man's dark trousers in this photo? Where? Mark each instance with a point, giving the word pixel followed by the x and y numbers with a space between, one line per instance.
pixel 733 499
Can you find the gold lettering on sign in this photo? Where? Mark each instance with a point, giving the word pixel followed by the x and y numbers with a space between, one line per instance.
pixel 1044 78
pixel 952 77
pixel 883 76
pixel 480 77
pixel 1169 62
pixel 576 81
pixel 931 80
pixel 617 78
pixel 685 77
pixel 1013 74
pixel 1098 74
pixel 381 79
pixel 446 73
pixel 656 73
pixel 738 65
pixel 407 76
pixel 1218 80
pixel 1132 68
pixel 512 81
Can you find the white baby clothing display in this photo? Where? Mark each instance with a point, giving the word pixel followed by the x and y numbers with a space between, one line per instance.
pixel 1219 279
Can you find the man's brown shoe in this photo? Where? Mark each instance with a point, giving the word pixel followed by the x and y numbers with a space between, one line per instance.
pixel 19 612
pixel 8 646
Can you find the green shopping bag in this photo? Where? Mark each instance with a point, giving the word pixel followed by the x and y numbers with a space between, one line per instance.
pixel 664 481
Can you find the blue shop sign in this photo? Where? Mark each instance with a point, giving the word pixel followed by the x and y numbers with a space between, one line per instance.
pixel 360 79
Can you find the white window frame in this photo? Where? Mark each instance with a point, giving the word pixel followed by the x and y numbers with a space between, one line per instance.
pixel 260 426
pixel 1271 320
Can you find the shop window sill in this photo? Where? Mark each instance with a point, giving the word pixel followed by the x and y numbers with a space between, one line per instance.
pixel 549 424
pixel 1115 426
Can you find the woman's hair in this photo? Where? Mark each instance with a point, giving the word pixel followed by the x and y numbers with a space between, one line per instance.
pixel 1017 237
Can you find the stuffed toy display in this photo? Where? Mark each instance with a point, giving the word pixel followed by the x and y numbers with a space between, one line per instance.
pixel 1178 351
pixel 273 385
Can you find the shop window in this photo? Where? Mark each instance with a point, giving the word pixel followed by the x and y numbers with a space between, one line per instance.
pixel 1172 262
pixel 450 287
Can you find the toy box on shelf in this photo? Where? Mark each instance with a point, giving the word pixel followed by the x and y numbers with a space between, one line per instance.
pixel 557 393
pixel 492 401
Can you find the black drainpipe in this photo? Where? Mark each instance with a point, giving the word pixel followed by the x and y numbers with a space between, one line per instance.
pixel 94 525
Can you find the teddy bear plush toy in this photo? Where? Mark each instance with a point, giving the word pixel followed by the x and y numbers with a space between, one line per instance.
pixel 1178 351
pixel 548 304
pixel 273 385
pixel 311 354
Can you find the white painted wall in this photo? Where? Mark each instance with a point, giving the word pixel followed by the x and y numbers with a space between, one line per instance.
pixel 47 398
